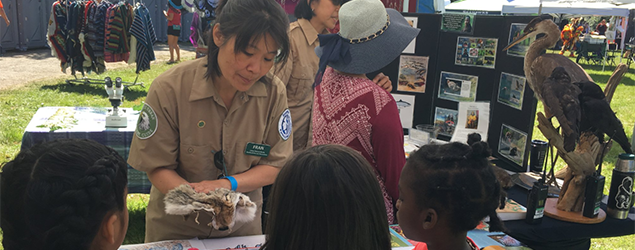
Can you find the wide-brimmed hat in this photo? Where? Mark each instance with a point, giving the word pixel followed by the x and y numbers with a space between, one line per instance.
pixel 370 37
pixel 175 4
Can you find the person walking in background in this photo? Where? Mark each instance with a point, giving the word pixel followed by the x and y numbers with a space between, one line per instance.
pixel 174 28
pixel 601 27
pixel 6 20
pixel 570 35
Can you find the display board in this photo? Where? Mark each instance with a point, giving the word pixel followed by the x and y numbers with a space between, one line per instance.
pixel 449 66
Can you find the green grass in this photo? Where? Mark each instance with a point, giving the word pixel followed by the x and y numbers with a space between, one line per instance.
pixel 17 106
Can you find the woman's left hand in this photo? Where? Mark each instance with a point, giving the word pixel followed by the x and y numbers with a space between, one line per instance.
pixel 210 185
pixel 383 81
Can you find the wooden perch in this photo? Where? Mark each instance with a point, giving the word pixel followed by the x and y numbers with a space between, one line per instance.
pixel 614 80
pixel 582 161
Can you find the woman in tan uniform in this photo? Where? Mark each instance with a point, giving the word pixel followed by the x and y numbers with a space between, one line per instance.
pixel 314 17
pixel 218 121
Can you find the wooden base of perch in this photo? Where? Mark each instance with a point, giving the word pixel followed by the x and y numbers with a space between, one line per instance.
pixel 575 217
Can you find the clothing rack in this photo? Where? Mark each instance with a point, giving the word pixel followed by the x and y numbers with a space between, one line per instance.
pixel 86 80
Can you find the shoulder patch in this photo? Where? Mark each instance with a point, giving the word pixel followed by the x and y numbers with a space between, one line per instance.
pixel 147 123
pixel 284 125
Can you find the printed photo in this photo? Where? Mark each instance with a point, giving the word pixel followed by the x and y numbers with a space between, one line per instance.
pixel 457 87
pixel 406 107
pixel 472 119
pixel 511 144
pixel 515 32
pixel 410 49
pixel 458 22
pixel 476 51
pixel 506 240
pixel 445 120
pixel 413 72
pixel 511 90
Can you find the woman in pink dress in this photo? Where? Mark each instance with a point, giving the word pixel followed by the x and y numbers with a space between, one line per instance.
pixel 349 109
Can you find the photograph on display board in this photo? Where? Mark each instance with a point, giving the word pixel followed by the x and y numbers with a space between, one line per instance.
pixel 406 107
pixel 511 90
pixel 458 22
pixel 476 51
pixel 472 119
pixel 511 144
pixel 445 120
pixel 515 32
pixel 457 87
pixel 412 73
pixel 411 46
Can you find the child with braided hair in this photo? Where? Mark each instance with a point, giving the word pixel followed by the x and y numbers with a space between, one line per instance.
pixel 65 194
pixel 445 191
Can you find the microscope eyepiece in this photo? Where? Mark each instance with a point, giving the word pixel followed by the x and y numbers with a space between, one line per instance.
pixel 118 82
pixel 108 81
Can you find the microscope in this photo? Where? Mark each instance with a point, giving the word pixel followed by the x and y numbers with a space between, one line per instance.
pixel 115 118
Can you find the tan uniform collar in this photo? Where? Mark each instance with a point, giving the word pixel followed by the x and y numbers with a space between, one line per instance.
pixel 203 88
pixel 310 33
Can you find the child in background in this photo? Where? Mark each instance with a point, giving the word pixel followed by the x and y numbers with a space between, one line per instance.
pixel 174 28
pixel 65 194
pixel 445 191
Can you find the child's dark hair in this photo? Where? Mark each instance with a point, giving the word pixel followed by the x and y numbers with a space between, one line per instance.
pixel 456 180
pixel 303 9
pixel 71 186
pixel 327 197
pixel 249 21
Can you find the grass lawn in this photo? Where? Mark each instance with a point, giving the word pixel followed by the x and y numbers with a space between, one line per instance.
pixel 17 106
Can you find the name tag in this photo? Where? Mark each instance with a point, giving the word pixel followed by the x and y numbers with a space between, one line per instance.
pixel 255 149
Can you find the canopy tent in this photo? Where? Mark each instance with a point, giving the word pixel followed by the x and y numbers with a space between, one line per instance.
pixel 577 7
pixel 479 6
pixel 570 7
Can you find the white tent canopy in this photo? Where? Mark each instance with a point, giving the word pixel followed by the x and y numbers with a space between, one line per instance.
pixel 571 7
pixel 477 5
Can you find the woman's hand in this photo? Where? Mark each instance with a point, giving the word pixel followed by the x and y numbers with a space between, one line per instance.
pixel 383 81
pixel 210 185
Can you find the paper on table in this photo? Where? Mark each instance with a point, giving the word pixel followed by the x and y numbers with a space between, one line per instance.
pixel 234 242
pixel 473 118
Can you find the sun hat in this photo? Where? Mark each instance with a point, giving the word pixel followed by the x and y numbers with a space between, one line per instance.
pixel 176 4
pixel 371 36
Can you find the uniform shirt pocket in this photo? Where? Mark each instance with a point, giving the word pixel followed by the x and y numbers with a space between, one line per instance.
pixel 300 83
pixel 197 163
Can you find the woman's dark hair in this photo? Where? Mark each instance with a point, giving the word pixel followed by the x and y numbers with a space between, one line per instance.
pixel 71 186
pixel 457 181
pixel 327 197
pixel 249 21
pixel 303 9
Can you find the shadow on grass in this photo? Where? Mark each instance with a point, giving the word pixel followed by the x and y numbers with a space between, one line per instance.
pixel 131 93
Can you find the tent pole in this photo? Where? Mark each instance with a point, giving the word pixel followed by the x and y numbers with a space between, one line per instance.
pixel 625 24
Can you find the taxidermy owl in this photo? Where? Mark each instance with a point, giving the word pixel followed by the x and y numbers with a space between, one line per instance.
pixel 226 207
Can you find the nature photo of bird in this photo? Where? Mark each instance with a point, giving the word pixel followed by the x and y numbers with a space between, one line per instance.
pixel 561 96
pixel 598 117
